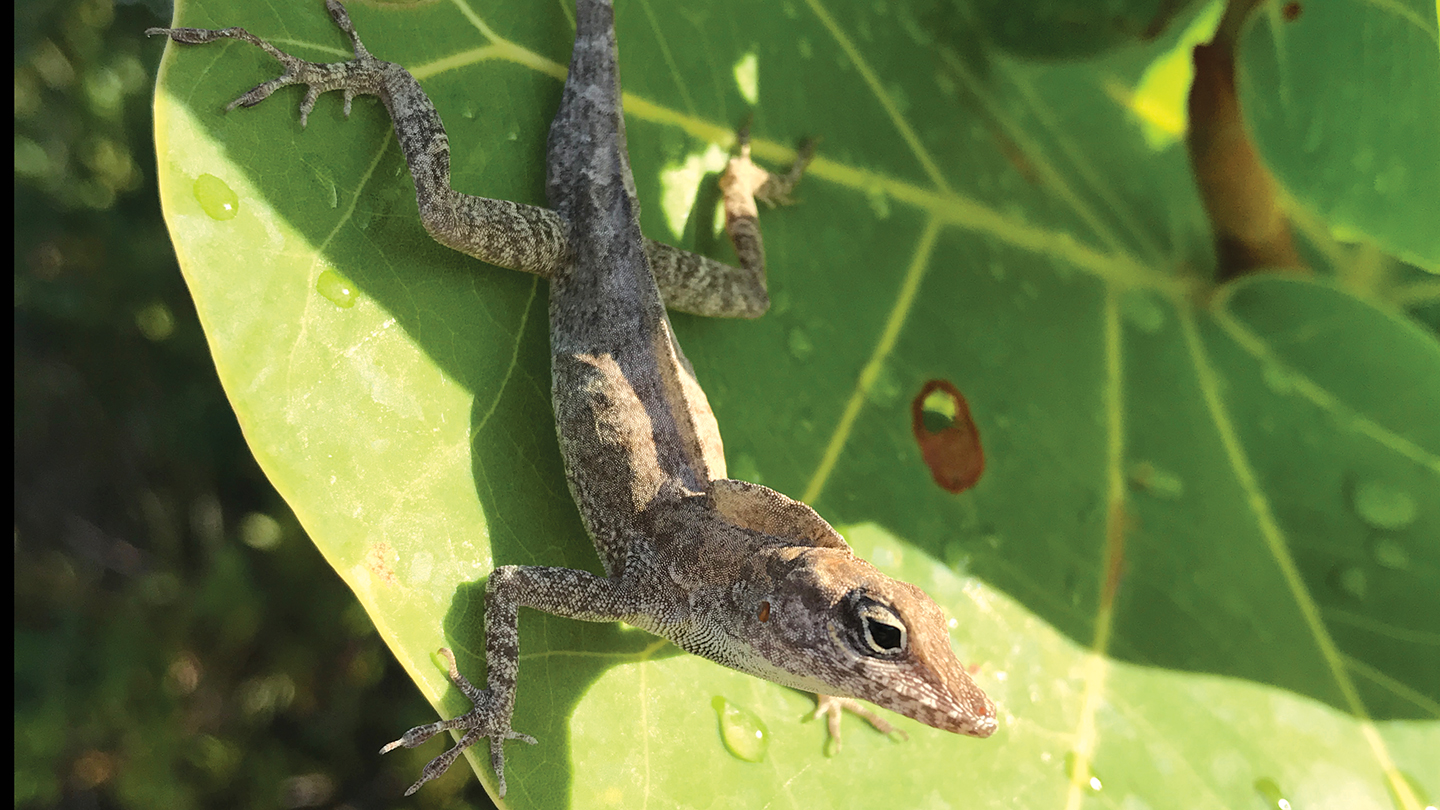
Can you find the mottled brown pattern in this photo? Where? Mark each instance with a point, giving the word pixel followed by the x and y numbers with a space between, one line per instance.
pixel 728 570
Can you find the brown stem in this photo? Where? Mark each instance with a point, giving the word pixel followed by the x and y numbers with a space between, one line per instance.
pixel 1251 231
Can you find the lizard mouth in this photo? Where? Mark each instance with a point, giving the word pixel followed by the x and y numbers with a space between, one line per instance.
pixel 967 712
pixel 946 697
pixel 980 722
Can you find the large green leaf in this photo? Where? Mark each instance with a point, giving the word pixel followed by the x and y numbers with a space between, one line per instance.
pixel 1202 562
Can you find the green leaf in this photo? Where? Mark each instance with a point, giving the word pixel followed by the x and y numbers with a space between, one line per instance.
pixel 1344 103
pixel 1202 561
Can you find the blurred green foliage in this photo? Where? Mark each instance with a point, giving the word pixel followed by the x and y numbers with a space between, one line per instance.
pixel 179 642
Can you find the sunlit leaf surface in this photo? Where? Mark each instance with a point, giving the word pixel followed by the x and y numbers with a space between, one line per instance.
pixel 1201 568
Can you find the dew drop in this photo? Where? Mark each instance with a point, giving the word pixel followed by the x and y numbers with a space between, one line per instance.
pixel 885 390
pixel 1390 553
pixel 1383 506
pixel 744 734
pixel 1077 767
pixel 957 556
pixel 801 346
pixel 216 198
pixel 1270 791
pixel 337 288
pixel 1350 580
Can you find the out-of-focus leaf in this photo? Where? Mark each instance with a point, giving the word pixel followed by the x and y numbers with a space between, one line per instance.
pixel 1344 103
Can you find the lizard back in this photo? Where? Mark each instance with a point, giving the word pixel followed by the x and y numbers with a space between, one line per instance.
pixel 626 400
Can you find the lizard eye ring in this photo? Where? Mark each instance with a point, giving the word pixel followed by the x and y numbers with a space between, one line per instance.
pixel 881 630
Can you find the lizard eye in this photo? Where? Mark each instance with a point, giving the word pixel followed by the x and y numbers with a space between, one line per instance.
pixel 882 632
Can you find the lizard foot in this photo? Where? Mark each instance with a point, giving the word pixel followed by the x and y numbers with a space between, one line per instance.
pixel 363 75
pixel 484 720
pixel 831 707
pixel 767 187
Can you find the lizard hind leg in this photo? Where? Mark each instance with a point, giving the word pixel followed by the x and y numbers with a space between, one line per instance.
pixel 742 184
pixel 363 75
pixel 693 283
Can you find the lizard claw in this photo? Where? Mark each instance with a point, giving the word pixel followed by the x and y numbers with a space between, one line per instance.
pixel 477 724
pixel 360 76
pixel 831 708
pixel 483 720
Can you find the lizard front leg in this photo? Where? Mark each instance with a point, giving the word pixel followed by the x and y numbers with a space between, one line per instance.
pixel 563 592
pixel 509 234
pixel 504 233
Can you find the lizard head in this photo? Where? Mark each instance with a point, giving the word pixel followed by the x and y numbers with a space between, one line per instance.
pixel 824 620
pixel 868 636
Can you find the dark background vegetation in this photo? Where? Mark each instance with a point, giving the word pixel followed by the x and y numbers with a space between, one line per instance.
pixel 179 642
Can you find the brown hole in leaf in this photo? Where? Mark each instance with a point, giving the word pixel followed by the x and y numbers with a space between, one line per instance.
pixel 948 439
pixel 764 614
pixel 1291 11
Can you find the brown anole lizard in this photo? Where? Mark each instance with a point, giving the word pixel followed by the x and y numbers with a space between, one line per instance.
pixel 725 569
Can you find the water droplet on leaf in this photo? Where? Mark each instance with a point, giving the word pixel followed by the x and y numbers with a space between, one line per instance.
pixel 1383 506
pixel 216 198
pixel 1350 580
pixel 884 391
pixel 744 734
pixel 1270 791
pixel 801 346
pixel 1074 763
pixel 1390 553
pixel 337 288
